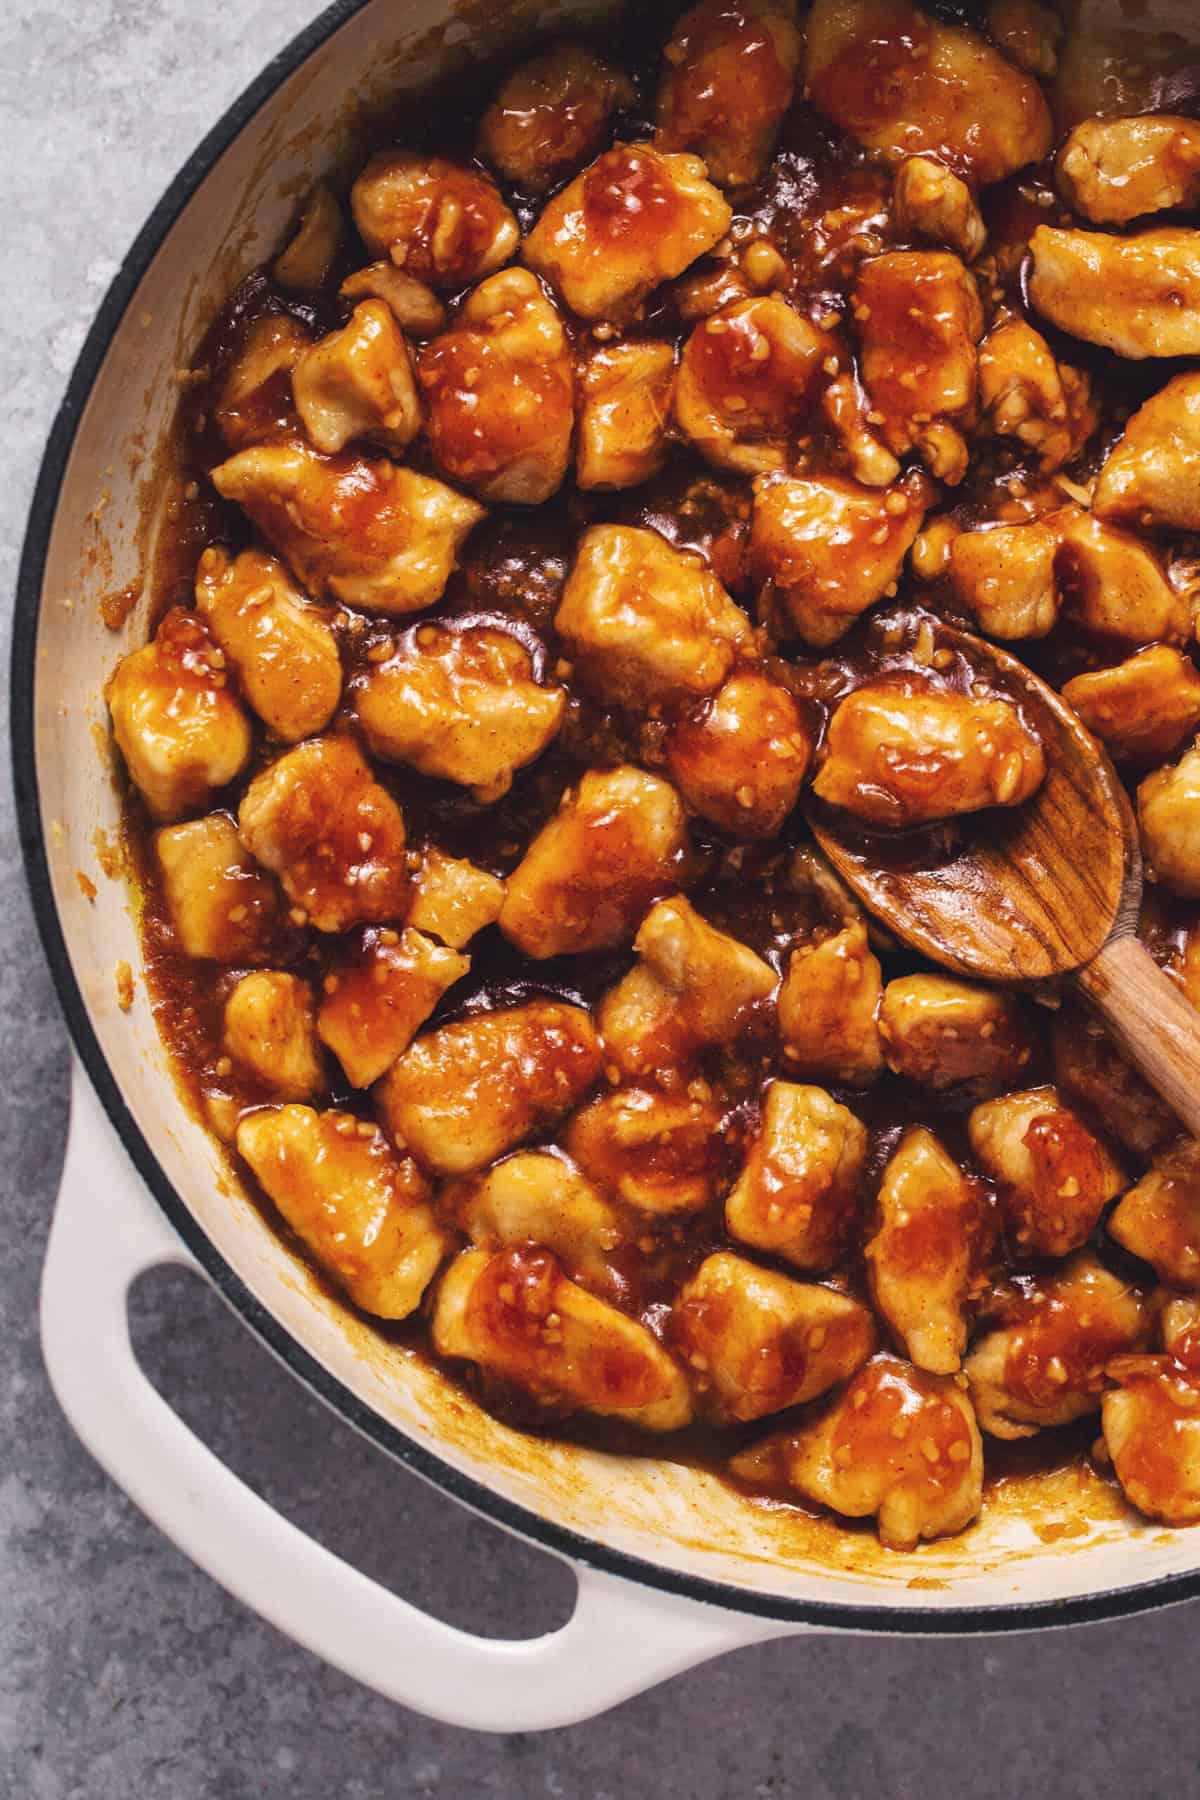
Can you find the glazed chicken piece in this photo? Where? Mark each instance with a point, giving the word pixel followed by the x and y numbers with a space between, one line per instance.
pixel 362 1211
pixel 1043 1363
pixel 1005 575
pixel 1179 1330
pixel 1043 405
pixel 1139 296
pixel 1168 806
pixel 177 723
pixel 586 881
pixel 901 753
pixel 461 705
pixel 729 72
pixel 551 115
pixel 755 1341
pixel 897 1442
pixel 1113 170
pixel 1112 584
pixel 517 1315
pixel 904 84
pixel 625 404
pixel 826 548
pixel 255 401
pixel 847 413
pixel 925 1259
pixel 656 1152
pixel 1159 1218
pixel 742 761
pixel 748 380
pixel 931 202
pixel 222 906
pixel 1055 1175
pixel 412 303
pixel 452 899
pixel 941 1033
pixel 1151 1425
pixel 358 383
pixel 1090 1069
pixel 539 1197
pixel 367 533
pixel 1144 709
pixel 379 991
pixel 918 318
pixel 634 218
pixel 798 1195
pixel 1152 474
pixel 829 1009
pixel 645 622
pixel 500 391
pixel 319 820
pixel 1028 32
pixel 282 652
pixel 269 1030
pixel 463 1095
pixel 443 222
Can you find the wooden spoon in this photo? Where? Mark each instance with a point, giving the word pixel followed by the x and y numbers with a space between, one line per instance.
pixel 1043 893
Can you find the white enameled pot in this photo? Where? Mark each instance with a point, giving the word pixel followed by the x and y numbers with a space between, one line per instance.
pixel 672 1567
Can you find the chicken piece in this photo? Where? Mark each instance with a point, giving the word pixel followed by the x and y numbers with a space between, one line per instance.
pixel 931 202
pixel 919 318
pixel 1144 709
pixel 538 1197
pixel 306 261
pixel 282 652
pixel 829 1009
pixel 925 1259
pixel 1043 1362
pixel 551 115
pixel 461 1096
pixel 625 403
pixel 729 72
pixel 1028 32
pixel 645 622
pixel 358 383
pixel 900 753
pixel 634 218
pixel 1055 1176
pixel 897 1442
pixel 1005 575
pixel 655 1152
pixel 1042 405
pixel 222 906
pixel 1159 1218
pixel 585 882
pixel 517 1315
pixel 942 1033
pixel 827 548
pixel 1112 584
pixel 1168 806
pixel 847 413
pixel 363 1212
pixel 460 705
pixel 1139 296
pixel 500 391
pixel 742 761
pixel 320 821
pixel 381 988
pixel 1090 1070
pixel 798 1195
pixel 1152 474
pixel 1179 1330
pixel 1151 1425
pixel 757 1341
pixel 269 1031
pixel 367 533
pixel 748 380
pixel 442 221
pixel 904 84
pixel 1114 170
pixel 255 401
pixel 452 899
pixel 412 303
pixel 176 721
pixel 694 986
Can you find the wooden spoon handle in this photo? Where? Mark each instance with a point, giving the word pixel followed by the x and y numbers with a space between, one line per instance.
pixel 1158 1029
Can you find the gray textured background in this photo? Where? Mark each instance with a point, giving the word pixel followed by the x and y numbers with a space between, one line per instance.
pixel 123 1671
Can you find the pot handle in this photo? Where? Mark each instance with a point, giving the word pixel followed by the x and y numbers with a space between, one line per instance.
pixel 621 1638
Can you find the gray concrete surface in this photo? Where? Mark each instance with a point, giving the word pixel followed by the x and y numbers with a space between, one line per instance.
pixel 123 1671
